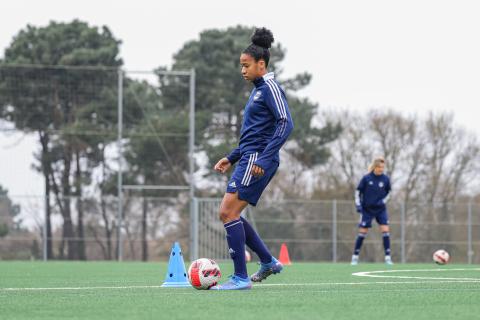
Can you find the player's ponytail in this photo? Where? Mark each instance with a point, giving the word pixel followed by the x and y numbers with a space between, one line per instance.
pixel 262 40
pixel 375 163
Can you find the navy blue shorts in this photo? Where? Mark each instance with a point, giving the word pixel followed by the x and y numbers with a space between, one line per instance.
pixel 250 188
pixel 366 219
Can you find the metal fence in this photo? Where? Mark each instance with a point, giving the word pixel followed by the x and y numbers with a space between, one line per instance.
pixel 100 139
pixel 312 230
pixel 150 226
pixel 326 230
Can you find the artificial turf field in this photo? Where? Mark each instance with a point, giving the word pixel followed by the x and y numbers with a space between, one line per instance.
pixel 111 290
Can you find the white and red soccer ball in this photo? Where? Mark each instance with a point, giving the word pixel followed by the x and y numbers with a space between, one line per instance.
pixel 204 274
pixel 441 257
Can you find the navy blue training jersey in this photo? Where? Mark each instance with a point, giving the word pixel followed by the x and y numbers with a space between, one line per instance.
pixel 373 192
pixel 266 123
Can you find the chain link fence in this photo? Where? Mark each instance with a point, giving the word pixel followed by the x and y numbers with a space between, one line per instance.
pixel 312 230
pixel 151 225
pixel 107 155
pixel 326 230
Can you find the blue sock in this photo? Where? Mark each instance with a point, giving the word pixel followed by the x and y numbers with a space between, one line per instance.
pixel 359 242
pixel 386 243
pixel 253 241
pixel 236 246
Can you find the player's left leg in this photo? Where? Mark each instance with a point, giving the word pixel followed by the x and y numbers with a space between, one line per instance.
pixel 382 220
pixel 268 264
pixel 230 210
pixel 254 242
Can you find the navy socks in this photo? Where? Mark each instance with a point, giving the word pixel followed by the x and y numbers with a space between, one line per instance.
pixel 254 242
pixel 361 237
pixel 386 243
pixel 236 246
pixel 358 243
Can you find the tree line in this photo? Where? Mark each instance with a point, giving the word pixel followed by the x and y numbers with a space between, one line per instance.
pixel 60 83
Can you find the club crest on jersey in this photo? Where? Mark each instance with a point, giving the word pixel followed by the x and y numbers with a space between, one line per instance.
pixel 257 95
pixel 381 184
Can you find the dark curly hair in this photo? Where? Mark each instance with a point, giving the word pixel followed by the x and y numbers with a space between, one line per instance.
pixel 262 40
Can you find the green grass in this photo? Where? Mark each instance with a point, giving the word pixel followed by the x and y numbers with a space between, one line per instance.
pixel 305 291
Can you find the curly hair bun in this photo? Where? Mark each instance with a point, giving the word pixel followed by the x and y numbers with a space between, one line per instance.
pixel 262 37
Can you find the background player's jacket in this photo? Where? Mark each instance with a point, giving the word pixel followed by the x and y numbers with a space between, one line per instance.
pixel 266 123
pixel 372 193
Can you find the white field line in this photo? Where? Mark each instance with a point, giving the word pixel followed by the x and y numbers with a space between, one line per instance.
pixel 459 280
pixel 375 274
pixel 370 274
pixel 79 288
pixel 363 283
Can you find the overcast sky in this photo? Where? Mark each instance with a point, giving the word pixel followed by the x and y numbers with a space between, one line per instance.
pixel 413 56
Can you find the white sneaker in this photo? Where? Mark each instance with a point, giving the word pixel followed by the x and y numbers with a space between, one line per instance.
pixel 388 260
pixel 354 260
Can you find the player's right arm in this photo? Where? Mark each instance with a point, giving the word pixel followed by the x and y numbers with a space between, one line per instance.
pixel 234 156
pixel 222 165
pixel 358 196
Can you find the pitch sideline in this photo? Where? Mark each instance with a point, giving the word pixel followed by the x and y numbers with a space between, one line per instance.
pixel 379 274
pixel 459 280
pixel 370 274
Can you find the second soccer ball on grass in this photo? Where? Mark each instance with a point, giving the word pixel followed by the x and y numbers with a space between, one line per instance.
pixel 441 257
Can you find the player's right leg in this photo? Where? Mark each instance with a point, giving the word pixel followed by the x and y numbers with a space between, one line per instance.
pixel 363 226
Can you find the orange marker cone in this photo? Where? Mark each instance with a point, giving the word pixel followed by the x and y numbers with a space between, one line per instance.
pixel 284 257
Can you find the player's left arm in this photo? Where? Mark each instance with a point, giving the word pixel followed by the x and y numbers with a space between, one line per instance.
pixel 388 190
pixel 278 105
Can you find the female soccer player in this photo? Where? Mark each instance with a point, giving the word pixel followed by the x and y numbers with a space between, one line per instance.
pixel 371 197
pixel 266 126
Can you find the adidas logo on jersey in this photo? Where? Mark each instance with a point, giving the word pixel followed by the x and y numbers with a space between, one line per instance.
pixel 232 184
pixel 257 95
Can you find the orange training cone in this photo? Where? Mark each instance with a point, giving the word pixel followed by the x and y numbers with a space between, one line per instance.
pixel 284 258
